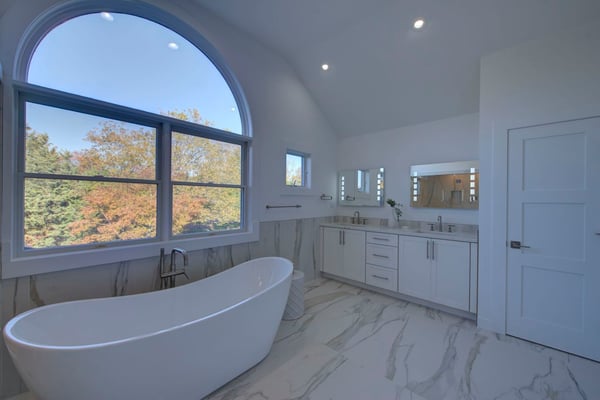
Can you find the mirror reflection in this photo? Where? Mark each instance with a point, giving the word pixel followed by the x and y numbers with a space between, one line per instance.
pixel 361 187
pixel 445 185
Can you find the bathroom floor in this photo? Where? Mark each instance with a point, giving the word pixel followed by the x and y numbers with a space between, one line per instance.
pixel 356 344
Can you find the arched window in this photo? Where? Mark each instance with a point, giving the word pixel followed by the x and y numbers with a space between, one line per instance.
pixel 127 134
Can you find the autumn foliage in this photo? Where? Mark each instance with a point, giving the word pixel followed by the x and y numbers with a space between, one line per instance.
pixel 72 211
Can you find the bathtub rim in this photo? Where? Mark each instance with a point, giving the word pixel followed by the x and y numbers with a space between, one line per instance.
pixel 8 336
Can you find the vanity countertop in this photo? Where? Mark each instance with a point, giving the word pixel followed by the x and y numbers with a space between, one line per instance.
pixel 460 236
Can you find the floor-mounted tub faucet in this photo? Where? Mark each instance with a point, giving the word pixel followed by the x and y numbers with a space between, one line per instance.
pixel 167 278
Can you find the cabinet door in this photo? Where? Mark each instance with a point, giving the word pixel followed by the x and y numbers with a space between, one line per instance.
pixel 451 273
pixel 414 267
pixel 332 251
pixel 354 255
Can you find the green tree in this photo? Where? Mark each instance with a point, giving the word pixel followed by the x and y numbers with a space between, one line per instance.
pixel 51 205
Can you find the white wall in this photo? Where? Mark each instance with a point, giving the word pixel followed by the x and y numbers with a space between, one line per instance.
pixel 549 80
pixel 451 139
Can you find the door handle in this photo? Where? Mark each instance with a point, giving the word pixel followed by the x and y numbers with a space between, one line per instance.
pixel 433 249
pixel 428 249
pixel 515 244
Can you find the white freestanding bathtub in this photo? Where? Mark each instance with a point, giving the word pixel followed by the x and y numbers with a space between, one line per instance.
pixel 179 344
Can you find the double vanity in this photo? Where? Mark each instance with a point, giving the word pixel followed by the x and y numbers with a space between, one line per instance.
pixel 413 262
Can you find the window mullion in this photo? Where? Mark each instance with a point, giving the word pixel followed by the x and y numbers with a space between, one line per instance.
pixel 165 197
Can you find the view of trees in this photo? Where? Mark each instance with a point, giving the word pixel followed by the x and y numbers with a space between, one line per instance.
pixel 293 170
pixel 61 212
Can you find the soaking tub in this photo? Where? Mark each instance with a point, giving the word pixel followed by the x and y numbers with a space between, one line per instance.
pixel 180 343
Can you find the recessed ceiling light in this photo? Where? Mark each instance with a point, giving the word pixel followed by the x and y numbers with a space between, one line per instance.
pixel 419 23
pixel 325 67
pixel 173 46
pixel 107 16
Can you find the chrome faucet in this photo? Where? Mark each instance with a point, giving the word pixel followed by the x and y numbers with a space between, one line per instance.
pixel 440 226
pixel 167 279
pixel 356 217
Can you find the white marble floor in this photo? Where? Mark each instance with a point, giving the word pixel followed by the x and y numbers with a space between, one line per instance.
pixel 355 344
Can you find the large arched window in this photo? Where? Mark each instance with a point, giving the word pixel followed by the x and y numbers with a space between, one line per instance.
pixel 127 134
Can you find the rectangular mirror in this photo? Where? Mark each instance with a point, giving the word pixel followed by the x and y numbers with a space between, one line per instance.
pixel 361 187
pixel 445 185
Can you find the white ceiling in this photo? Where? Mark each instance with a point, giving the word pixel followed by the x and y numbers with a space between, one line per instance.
pixel 383 73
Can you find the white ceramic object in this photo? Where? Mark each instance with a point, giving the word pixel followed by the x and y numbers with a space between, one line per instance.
pixel 180 343
pixel 294 308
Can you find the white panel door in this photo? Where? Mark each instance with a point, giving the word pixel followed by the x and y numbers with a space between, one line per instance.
pixel 553 286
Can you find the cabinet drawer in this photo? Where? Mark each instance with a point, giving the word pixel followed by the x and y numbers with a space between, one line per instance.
pixel 382 238
pixel 382 277
pixel 384 256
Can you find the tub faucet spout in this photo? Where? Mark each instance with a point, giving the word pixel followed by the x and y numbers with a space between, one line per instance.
pixel 167 278
pixel 174 253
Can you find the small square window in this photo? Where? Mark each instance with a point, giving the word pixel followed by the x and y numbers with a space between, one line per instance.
pixel 296 169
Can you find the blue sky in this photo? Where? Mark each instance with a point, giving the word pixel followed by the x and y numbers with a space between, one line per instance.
pixel 129 61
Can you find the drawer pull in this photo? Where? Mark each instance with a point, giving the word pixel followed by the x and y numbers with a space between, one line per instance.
pixel 381 277
pixel 379 255
pixel 380 238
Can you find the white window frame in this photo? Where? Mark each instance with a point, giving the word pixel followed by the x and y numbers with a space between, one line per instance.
pixel 16 261
pixel 305 170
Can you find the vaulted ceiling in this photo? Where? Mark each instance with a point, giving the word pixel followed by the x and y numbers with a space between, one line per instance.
pixel 383 73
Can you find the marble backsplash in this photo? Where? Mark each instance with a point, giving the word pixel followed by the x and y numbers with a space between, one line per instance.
pixel 297 240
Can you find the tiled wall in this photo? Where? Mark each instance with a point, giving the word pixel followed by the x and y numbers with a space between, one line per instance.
pixel 297 240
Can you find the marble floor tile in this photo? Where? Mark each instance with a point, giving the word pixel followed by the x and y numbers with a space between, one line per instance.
pixel 355 344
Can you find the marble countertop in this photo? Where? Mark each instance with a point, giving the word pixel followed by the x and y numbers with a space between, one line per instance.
pixel 459 236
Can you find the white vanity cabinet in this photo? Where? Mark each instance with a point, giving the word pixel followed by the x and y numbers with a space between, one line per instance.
pixel 436 270
pixel 433 268
pixel 344 253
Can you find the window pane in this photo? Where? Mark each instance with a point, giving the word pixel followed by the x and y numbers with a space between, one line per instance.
pixel 294 170
pixel 122 59
pixel 66 212
pixel 70 143
pixel 196 159
pixel 205 209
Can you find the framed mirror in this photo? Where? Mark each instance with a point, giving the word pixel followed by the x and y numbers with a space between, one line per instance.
pixel 445 185
pixel 361 187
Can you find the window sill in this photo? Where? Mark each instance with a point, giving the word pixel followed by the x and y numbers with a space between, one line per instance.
pixel 40 264
pixel 297 191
